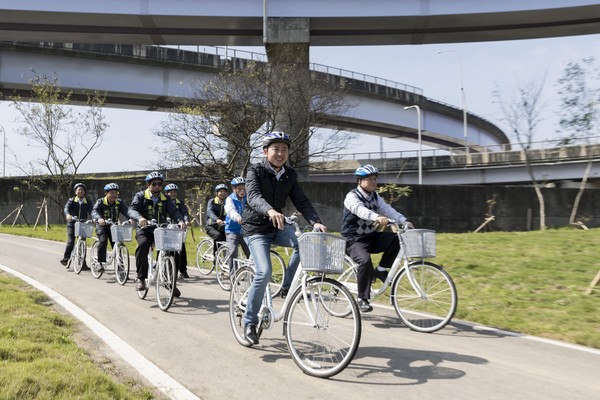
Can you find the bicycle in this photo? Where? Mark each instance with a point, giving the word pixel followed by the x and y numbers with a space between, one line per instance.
pixel 224 278
pixel 205 259
pixel 320 342
pixel 162 273
pixel 83 230
pixel 119 255
pixel 422 293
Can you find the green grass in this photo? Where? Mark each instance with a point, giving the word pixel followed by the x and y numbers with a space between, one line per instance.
pixel 40 359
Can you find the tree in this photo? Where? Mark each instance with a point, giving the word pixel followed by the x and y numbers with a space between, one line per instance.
pixel 67 137
pixel 218 131
pixel 521 111
pixel 579 113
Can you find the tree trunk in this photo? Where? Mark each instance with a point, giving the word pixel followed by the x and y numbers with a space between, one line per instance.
pixel 580 192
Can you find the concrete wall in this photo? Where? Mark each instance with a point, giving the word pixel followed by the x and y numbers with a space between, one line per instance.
pixel 442 208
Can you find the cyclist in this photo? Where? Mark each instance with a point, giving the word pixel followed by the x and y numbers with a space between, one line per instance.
pixel 77 207
pixel 215 216
pixel 147 205
pixel 234 207
pixel 363 208
pixel 269 184
pixel 181 260
pixel 107 207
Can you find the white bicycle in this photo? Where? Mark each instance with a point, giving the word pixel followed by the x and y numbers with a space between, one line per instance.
pixel 119 256
pixel 321 342
pixel 83 230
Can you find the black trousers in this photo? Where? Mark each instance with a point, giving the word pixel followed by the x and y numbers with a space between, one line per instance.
pixel 360 248
pixel 144 238
pixel 104 237
pixel 70 240
pixel 217 233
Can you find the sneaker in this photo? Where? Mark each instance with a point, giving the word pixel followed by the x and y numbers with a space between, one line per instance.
pixel 284 293
pixel 184 275
pixel 100 267
pixel 64 261
pixel 251 335
pixel 381 275
pixel 141 285
pixel 176 293
pixel 85 267
pixel 364 306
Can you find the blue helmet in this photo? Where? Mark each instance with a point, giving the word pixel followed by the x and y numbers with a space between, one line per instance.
pixel 366 170
pixel 111 186
pixel 75 186
pixel 275 137
pixel 238 181
pixel 154 175
pixel 171 186
pixel 221 186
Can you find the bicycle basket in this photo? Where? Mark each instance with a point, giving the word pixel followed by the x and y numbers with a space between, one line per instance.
pixel 419 243
pixel 168 239
pixel 121 233
pixel 322 252
pixel 84 229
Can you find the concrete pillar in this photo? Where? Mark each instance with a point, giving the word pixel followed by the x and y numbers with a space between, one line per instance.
pixel 287 46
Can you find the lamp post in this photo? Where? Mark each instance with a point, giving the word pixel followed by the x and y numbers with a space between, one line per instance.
pixel 461 93
pixel 419 158
pixel 3 152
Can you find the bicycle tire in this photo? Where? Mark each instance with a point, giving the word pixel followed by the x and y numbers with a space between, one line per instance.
pixel 238 295
pixel 324 347
pixel 277 274
pixel 94 264
pixel 222 268
pixel 348 279
pixel 166 281
pixel 434 308
pixel 204 257
pixel 80 250
pixel 121 263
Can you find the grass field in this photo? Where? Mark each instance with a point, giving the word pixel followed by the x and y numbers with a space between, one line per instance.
pixel 527 282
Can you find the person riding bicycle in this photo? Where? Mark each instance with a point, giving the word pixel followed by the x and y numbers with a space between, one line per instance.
pixel 364 209
pixel 180 260
pixel 268 185
pixel 77 207
pixel 234 207
pixel 215 216
pixel 105 208
pixel 150 204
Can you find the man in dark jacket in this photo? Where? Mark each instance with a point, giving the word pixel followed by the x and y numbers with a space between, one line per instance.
pixel 147 205
pixel 181 260
pixel 77 208
pixel 268 186
pixel 215 216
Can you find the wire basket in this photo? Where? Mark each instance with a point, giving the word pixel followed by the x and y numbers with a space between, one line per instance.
pixel 84 229
pixel 121 233
pixel 322 252
pixel 419 243
pixel 168 239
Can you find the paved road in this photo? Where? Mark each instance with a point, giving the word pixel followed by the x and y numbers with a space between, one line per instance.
pixel 193 343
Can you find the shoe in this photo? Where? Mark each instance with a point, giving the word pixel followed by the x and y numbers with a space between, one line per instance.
pixel 100 267
pixel 364 306
pixel 141 285
pixel 176 293
pixel 381 275
pixel 251 335
pixel 85 267
pixel 64 261
pixel 284 293
pixel 184 275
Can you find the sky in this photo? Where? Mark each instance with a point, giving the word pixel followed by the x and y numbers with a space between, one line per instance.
pixel 485 67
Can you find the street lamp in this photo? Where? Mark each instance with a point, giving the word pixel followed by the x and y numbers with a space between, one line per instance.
pixel 419 158
pixel 461 93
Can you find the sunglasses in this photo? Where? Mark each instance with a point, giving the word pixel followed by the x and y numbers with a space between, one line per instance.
pixel 156 184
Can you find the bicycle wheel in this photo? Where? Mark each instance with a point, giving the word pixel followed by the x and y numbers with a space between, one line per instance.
pixel 431 305
pixel 80 250
pixel 321 343
pixel 204 256
pixel 348 279
pixel 238 296
pixel 222 268
pixel 94 264
pixel 278 274
pixel 166 281
pixel 122 263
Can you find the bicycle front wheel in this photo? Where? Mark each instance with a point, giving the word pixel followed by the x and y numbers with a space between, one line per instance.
pixel 431 303
pixel 94 264
pixel 349 280
pixel 122 263
pixel 165 281
pixel 80 250
pixel 321 343
pixel 278 273
pixel 238 298
pixel 222 267
pixel 204 256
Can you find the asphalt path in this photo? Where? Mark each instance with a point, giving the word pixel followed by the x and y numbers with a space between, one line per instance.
pixel 192 344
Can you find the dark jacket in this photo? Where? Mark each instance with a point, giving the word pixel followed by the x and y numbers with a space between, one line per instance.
pixel 215 210
pixel 142 205
pixel 182 208
pixel 78 209
pixel 103 209
pixel 264 192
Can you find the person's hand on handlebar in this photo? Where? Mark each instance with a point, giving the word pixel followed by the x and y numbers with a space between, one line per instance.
pixel 142 221
pixel 277 218
pixel 318 227
pixel 382 221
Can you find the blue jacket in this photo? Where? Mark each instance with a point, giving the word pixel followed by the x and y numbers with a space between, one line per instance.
pixel 232 226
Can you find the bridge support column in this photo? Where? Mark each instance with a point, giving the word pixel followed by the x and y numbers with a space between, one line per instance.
pixel 287 46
